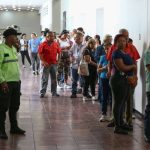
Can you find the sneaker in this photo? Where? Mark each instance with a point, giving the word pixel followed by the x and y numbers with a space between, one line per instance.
pixel 93 98
pixel 66 86
pixel 17 130
pixel 42 96
pixel 89 96
pixel 133 116
pixel 55 94
pixel 37 72
pixel 34 73
pixel 85 98
pixel 73 96
pixel 24 66
pixel 103 118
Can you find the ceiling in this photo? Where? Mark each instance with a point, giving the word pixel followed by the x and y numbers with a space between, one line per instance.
pixel 18 5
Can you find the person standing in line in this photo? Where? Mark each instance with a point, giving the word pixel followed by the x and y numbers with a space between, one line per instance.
pixel 33 45
pixel 9 83
pixel 89 81
pixel 48 53
pixel 102 70
pixel 64 60
pixel 75 56
pixel 147 110
pixel 132 51
pixel 24 49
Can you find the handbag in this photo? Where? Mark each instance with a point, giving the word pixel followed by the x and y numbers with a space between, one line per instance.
pixel 83 68
pixel 132 80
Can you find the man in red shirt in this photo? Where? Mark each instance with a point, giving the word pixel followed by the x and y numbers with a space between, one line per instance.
pixel 132 51
pixel 48 53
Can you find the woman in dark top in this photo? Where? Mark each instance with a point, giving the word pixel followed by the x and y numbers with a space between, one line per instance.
pixel 88 56
pixel 124 67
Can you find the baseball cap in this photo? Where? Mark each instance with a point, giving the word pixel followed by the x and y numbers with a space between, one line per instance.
pixel 9 32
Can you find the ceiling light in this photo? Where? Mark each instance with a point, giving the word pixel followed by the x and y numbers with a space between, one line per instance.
pixel 14 9
pixel 19 8
pixel 32 8
pixel 28 6
pixel 5 8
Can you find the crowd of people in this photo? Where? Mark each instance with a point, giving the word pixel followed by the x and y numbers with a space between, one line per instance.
pixel 111 65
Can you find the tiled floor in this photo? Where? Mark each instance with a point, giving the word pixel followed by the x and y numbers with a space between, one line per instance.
pixel 65 124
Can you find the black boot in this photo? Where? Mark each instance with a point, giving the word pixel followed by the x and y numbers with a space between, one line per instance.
pixel 14 124
pixel 3 134
pixel 16 130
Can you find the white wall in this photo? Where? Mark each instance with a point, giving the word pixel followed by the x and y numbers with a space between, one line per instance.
pixel 131 14
pixel 56 16
pixel 46 15
pixel 28 21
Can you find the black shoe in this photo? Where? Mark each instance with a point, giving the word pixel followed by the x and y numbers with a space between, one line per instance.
pixel 111 124
pixel 73 96
pixel 17 130
pixel 120 131
pixel 55 94
pixel 42 96
pixel 89 96
pixel 79 91
pixel 3 135
pixel 127 127
pixel 146 139
pixel 37 73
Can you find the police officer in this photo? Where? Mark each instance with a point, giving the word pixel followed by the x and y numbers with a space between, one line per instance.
pixel 9 83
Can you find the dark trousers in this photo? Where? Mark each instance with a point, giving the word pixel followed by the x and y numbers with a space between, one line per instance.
pixel 23 55
pixel 35 60
pixel 89 81
pixel 106 95
pixel 10 101
pixel 120 93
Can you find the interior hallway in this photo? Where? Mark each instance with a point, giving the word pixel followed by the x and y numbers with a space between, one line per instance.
pixel 65 124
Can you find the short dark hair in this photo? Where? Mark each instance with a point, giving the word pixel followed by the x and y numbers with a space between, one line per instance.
pixel 117 37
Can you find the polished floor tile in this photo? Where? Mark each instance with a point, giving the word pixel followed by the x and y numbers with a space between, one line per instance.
pixel 65 124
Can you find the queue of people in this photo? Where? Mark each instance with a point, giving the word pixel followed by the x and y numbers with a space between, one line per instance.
pixel 113 66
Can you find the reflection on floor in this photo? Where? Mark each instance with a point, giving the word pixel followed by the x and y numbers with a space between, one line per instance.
pixel 65 124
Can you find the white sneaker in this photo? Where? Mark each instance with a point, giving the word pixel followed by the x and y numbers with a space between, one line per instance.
pixel 59 86
pixel 93 98
pixel 84 98
pixel 24 66
pixel 133 116
pixel 66 86
pixel 103 118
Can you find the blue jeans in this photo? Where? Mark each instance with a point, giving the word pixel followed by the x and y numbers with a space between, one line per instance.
pixel 75 77
pixel 51 70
